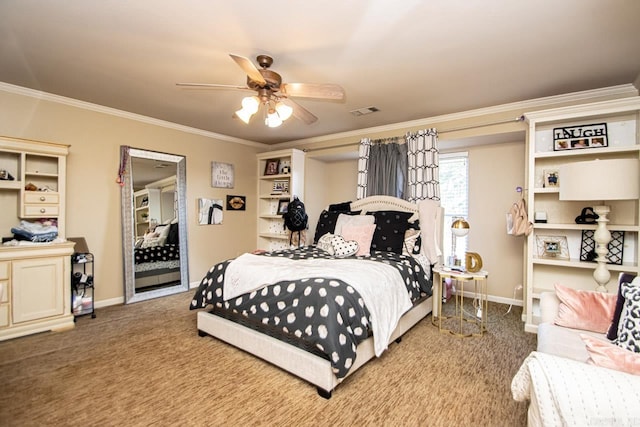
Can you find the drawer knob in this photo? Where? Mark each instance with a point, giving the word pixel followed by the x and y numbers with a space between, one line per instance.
pixel 42 210
pixel 42 199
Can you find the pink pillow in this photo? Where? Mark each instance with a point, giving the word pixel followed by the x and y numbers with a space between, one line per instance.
pixel 363 234
pixel 608 355
pixel 587 310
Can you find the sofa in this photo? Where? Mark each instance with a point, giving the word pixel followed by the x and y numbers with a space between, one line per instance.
pixel 575 376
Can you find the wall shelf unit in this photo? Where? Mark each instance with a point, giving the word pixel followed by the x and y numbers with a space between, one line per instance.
pixel 622 117
pixel 271 232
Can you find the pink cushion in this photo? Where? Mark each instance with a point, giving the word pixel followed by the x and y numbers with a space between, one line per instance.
pixel 608 355
pixel 363 234
pixel 587 310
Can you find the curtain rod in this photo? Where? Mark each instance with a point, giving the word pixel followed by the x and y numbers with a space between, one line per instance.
pixel 517 119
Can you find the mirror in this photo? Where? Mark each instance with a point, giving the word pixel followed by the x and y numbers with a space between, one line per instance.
pixel 154 231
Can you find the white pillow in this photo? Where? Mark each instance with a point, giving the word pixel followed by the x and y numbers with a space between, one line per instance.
pixel 324 243
pixel 344 219
pixel 163 233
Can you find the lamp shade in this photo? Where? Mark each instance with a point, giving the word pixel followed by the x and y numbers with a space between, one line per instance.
pixel 460 227
pixel 611 179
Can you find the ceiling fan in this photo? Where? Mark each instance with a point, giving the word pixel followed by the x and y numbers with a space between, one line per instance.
pixel 273 94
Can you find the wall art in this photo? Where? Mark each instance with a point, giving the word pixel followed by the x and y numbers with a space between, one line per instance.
pixel 236 203
pixel 222 175
pixel 580 137
pixel 209 211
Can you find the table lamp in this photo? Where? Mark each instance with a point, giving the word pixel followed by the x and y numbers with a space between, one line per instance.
pixel 600 180
pixel 459 228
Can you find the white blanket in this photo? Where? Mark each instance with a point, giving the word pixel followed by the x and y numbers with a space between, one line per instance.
pixel 380 286
pixel 572 393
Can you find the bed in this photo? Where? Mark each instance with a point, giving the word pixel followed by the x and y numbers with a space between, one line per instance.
pixel 318 315
pixel 157 258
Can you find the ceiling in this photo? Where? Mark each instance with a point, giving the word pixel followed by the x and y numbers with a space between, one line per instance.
pixel 411 59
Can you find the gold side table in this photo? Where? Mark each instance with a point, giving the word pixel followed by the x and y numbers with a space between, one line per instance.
pixel 479 281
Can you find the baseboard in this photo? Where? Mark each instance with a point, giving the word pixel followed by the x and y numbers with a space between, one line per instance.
pixel 108 302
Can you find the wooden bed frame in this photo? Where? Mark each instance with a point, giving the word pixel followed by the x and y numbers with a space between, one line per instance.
pixel 301 363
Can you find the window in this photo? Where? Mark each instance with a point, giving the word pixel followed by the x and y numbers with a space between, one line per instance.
pixel 454 197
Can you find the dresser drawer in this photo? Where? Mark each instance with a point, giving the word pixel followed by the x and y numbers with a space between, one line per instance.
pixel 44 197
pixel 4 291
pixel 41 210
pixel 4 271
pixel 4 315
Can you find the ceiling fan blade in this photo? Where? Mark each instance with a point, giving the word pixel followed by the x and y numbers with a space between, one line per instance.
pixel 299 112
pixel 248 67
pixel 213 86
pixel 313 90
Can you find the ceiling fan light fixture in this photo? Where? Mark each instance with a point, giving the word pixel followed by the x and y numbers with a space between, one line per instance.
pixel 273 120
pixel 284 111
pixel 244 115
pixel 251 104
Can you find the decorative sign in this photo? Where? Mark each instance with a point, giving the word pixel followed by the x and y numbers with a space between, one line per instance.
pixel 222 175
pixel 577 137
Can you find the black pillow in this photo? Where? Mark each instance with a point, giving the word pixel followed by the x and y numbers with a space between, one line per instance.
pixel 327 223
pixel 612 333
pixel 390 228
pixel 344 207
pixel 173 238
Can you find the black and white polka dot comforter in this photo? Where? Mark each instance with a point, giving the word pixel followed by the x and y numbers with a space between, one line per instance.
pixel 326 313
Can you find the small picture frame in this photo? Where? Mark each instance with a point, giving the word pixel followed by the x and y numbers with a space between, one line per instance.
pixel 283 206
pixel 580 137
pixel 236 203
pixel 271 167
pixel 551 178
pixel 280 186
pixel 552 247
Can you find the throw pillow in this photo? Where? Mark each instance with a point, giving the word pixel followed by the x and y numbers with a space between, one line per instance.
pixel 324 243
pixel 390 229
pixel 410 238
pixel 327 223
pixel 340 207
pixel 343 248
pixel 611 356
pixel 587 310
pixel 629 326
pixel 612 333
pixel 361 234
pixel 344 219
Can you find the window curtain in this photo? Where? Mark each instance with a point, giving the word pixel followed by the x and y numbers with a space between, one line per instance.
pixel 382 168
pixel 408 171
pixel 422 168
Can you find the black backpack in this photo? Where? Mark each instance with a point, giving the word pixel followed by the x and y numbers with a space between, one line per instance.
pixel 295 218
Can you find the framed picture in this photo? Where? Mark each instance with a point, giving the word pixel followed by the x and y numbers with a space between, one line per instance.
pixel 236 203
pixel 552 247
pixel 616 247
pixel 209 211
pixel 282 206
pixel 222 175
pixel 551 178
pixel 271 168
pixel 280 186
pixel 580 137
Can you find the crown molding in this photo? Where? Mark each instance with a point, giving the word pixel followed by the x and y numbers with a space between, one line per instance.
pixel 45 96
pixel 619 91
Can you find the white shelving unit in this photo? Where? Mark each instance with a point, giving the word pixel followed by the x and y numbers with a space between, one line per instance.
pixel 271 232
pixel 622 117
pixel 35 286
